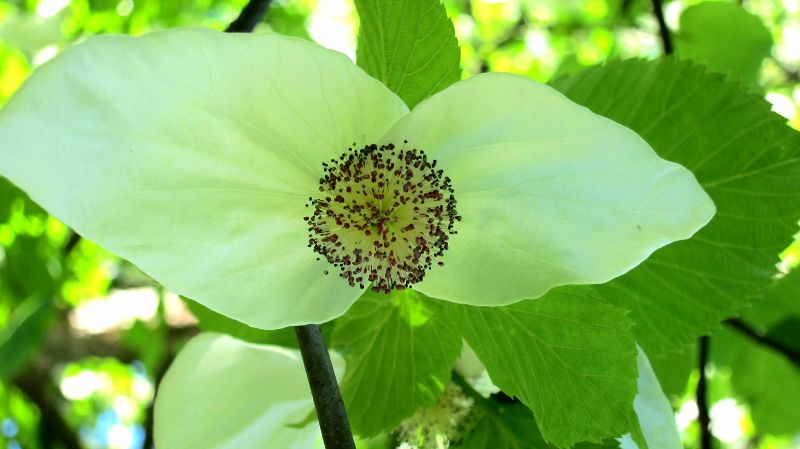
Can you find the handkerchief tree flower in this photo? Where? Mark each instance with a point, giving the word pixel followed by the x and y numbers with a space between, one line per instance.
pixel 274 182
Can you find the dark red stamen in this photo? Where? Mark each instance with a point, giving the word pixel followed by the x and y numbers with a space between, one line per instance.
pixel 383 216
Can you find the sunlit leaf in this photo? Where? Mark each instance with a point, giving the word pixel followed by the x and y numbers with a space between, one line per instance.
pixel 410 46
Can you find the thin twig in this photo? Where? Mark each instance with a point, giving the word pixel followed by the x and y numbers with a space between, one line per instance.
pixel 666 39
pixel 703 418
pixel 72 243
pixel 787 351
pixel 328 401
pixel 250 16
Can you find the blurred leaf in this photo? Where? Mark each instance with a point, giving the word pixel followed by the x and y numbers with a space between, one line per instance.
pixel 399 352
pixel 569 357
pixel 744 156
pixel 13 71
pixel 765 380
pixel 781 301
pixel 31 268
pixel 787 332
pixel 409 46
pixel 21 339
pixel 289 19
pixel 725 37
pixel 149 342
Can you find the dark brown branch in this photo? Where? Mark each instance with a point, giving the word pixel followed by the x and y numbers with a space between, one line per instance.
pixel 328 401
pixel 250 16
pixel 666 39
pixel 776 345
pixel 703 418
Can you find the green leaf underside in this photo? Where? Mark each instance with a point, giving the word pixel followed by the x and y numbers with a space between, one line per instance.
pixel 744 156
pixel 569 357
pixel 409 46
pixel 725 37
pixel 399 353
pixel 773 405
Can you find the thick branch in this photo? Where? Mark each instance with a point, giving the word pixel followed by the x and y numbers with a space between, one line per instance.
pixel 703 418
pixel 666 39
pixel 776 345
pixel 324 389
pixel 249 17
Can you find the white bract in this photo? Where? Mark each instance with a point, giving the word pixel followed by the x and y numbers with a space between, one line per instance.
pixel 224 393
pixel 196 155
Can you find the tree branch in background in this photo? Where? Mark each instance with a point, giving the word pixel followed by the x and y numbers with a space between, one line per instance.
pixel 703 418
pixel 666 39
pixel 787 351
pixel 250 16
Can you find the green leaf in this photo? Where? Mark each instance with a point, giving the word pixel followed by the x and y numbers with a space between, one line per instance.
pixel 744 156
pixel 21 339
pixel 511 426
pixel 399 354
pixel 410 46
pixel 779 302
pixel 725 37
pixel 765 380
pixel 569 357
pixel 502 426
pixel 673 370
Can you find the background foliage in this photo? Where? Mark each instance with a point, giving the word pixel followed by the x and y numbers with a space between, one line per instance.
pixel 84 336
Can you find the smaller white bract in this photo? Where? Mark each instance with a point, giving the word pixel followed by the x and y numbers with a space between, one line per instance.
pixel 197 154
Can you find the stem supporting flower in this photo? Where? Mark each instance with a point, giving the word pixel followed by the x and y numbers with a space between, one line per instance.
pixel 328 401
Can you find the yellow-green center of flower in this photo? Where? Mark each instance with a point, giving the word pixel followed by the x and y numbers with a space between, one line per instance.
pixel 383 216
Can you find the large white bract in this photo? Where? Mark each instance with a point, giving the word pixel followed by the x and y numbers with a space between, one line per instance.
pixel 194 153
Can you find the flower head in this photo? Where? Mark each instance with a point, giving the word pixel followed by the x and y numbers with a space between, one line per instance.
pixel 239 169
pixel 383 215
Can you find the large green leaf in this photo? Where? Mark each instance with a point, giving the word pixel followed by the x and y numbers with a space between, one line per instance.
pixel 569 357
pixel 744 156
pixel 725 37
pixel 410 46
pixel 399 354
